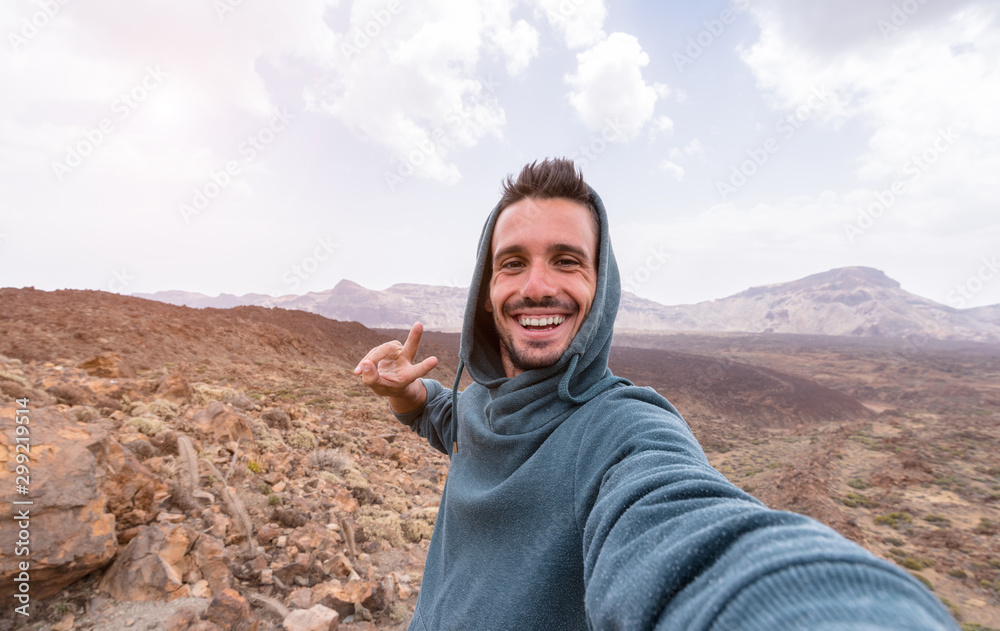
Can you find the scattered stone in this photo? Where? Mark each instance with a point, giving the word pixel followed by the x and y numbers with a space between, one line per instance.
pixel 342 598
pixel 231 612
pixel 340 565
pixel 300 598
pixel 316 618
pixel 108 366
pixel 174 388
pixel 290 517
pixel 276 418
pixel 221 424
pixel 181 620
pixel 65 624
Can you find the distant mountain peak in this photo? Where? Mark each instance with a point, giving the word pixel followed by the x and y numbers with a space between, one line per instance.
pixel 347 284
pixel 868 276
pixel 842 279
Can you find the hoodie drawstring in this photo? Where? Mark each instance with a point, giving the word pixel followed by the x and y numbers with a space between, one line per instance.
pixel 454 406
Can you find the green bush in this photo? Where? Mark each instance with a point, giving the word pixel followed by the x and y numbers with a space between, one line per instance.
pixel 851 500
pixel 894 520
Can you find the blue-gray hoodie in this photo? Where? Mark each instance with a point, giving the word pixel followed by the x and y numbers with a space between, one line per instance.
pixel 576 500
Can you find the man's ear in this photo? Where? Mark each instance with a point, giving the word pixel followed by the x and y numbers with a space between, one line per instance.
pixel 488 305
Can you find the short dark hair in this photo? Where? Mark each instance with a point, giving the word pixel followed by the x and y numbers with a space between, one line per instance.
pixel 548 179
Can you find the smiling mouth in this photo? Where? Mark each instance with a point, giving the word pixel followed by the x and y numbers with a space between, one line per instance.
pixel 541 323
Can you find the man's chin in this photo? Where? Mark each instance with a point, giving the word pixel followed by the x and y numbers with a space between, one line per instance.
pixel 533 359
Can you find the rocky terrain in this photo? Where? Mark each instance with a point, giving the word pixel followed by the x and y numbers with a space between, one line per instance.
pixel 851 301
pixel 204 470
pixel 224 469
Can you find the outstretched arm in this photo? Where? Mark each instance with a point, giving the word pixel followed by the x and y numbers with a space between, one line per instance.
pixel 669 543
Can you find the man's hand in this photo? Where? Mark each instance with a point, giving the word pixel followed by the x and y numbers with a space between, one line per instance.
pixel 390 372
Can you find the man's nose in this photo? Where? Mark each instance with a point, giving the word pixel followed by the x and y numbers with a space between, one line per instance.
pixel 540 283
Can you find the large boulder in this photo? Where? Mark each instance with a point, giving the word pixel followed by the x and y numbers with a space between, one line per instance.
pixel 166 562
pixel 71 533
pixel 134 492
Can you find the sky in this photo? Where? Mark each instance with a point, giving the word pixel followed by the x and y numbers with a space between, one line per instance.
pixel 244 146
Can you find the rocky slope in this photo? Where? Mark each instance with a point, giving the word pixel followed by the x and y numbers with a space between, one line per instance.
pixel 851 301
pixel 222 467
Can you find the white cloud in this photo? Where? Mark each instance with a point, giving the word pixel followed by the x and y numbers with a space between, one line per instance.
pixel 925 78
pixel 662 125
pixel 674 169
pixel 91 62
pixel 693 148
pixel 415 88
pixel 520 45
pixel 608 85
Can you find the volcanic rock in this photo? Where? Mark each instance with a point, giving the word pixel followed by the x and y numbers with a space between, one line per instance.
pixel 71 533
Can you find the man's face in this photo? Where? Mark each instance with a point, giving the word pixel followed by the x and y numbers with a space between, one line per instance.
pixel 543 281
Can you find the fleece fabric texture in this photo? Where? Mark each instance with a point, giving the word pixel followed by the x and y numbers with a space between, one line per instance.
pixel 576 500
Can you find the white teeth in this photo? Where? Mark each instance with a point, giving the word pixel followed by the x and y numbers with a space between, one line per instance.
pixel 548 321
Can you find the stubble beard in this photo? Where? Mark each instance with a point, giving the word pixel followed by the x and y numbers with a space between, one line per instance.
pixel 522 359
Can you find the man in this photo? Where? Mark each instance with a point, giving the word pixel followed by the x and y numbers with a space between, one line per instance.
pixel 576 500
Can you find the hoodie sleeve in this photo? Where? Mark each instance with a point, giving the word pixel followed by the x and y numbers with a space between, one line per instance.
pixel 433 419
pixel 669 543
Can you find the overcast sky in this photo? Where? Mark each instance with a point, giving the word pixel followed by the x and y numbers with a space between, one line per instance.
pixel 248 146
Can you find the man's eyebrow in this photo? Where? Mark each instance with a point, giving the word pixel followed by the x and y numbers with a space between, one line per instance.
pixel 552 249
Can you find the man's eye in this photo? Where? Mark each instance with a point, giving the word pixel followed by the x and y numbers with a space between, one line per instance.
pixel 565 262
pixel 511 264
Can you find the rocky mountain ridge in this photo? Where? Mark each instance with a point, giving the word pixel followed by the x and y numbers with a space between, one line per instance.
pixel 850 301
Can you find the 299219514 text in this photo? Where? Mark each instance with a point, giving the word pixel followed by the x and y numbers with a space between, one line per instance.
pixel 22 507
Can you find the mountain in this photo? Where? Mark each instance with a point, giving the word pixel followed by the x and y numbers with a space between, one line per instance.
pixel 850 301
pixel 439 308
